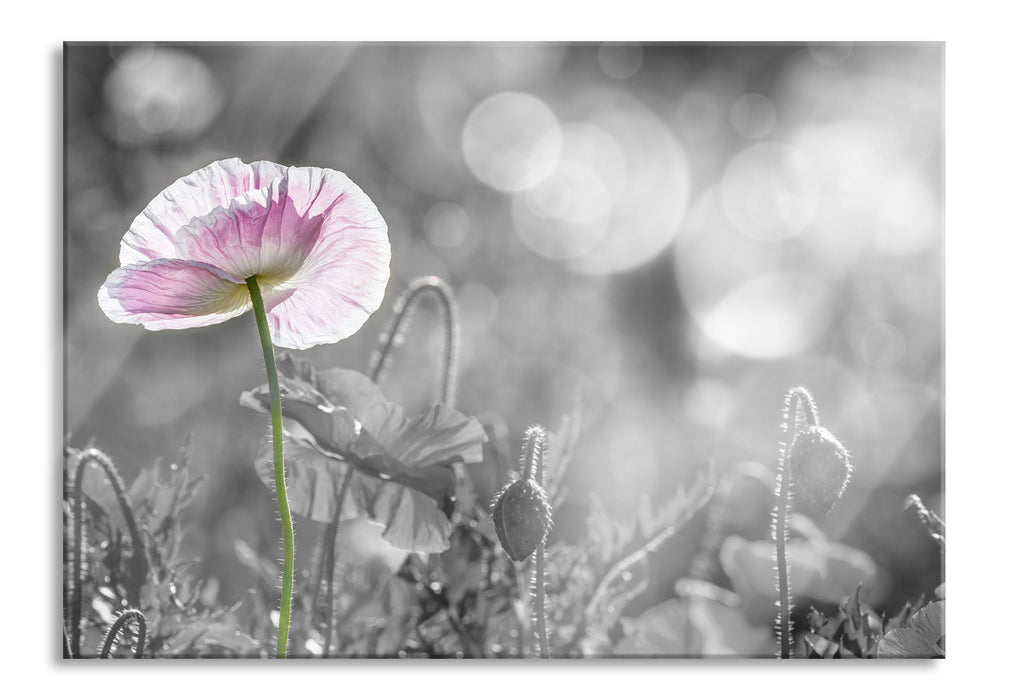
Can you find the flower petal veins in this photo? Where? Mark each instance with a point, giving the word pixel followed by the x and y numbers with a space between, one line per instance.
pixel 152 234
pixel 164 294
pixel 315 242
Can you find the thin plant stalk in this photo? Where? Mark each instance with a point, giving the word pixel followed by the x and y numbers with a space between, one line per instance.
pixel 95 456
pixel 534 466
pixel 118 626
pixel 280 483
pixel 402 311
pixel 541 617
pixel 330 550
pixel 794 422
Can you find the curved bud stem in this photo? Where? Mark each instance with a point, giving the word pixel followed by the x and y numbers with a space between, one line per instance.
pixel 795 397
pixel 403 310
pixel 99 458
pixel 118 626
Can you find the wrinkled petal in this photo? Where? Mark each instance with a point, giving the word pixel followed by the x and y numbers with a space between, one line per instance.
pixel 315 242
pixel 271 231
pixel 164 294
pixel 340 285
pixel 152 234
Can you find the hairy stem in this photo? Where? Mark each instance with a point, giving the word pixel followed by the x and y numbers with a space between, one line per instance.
pixel 403 309
pixel 330 544
pixel 280 483
pixel 793 424
pixel 533 448
pixel 139 556
pixel 537 458
pixel 541 617
pixel 118 626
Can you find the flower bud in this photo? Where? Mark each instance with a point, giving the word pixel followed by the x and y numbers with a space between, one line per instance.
pixel 820 467
pixel 521 513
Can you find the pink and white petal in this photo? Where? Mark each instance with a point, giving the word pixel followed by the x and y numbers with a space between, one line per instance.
pixel 341 285
pixel 232 238
pixel 273 232
pixel 167 294
pixel 332 196
pixel 152 234
pixel 308 198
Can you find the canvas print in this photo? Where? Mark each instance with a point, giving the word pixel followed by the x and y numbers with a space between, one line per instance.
pixel 503 350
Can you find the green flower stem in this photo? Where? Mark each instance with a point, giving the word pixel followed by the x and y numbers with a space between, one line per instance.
pixel 280 483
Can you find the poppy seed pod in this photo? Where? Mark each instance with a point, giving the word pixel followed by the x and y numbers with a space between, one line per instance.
pixel 820 467
pixel 522 517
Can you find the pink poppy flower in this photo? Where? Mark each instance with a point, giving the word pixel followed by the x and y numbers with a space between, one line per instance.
pixel 315 242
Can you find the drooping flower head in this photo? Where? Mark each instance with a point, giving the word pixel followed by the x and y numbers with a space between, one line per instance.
pixel 315 242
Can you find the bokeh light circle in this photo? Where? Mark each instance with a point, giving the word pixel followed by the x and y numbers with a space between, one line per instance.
pixel 446 224
pixel 770 191
pixel 567 214
pixel 830 54
pixel 882 345
pixel 620 61
pixel 648 210
pixel 741 293
pixel 157 93
pixel 776 315
pixel 511 141
pixel 753 116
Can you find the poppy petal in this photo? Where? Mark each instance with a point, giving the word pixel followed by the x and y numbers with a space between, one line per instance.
pixel 272 231
pixel 342 282
pixel 165 294
pixel 152 234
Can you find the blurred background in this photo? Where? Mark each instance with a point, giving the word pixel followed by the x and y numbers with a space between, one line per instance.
pixel 671 235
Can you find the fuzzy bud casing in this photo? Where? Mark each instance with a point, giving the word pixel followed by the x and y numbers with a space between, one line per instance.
pixel 522 517
pixel 821 468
